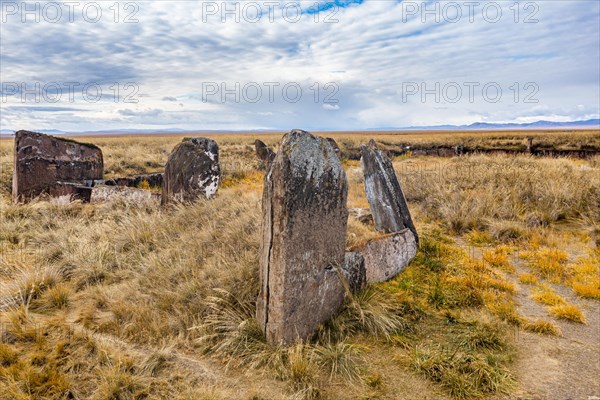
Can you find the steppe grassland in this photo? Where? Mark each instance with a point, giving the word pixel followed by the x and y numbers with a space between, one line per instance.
pixel 130 300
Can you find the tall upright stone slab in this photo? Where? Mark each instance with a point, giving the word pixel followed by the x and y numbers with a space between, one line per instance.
pixel 263 153
pixel 303 239
pixel 385 196
pixel 192 171
pixel 42 163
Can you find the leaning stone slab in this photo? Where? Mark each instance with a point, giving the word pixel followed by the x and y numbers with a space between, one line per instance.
pixel 192 171
pixel 385 196
pixel 387 256
pixel 41 161
pixel 303 239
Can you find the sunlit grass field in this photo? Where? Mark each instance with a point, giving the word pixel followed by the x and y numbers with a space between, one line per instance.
pixel 132 301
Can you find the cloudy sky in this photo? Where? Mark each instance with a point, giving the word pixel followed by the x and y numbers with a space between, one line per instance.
pixel 328 65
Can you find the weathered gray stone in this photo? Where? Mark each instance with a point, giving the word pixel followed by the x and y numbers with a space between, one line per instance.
pixel 42 161
pixel 103 193
pixel 192 170
pixel 459 150
pixel 264 153
pixel 335 146
pixel 385 196
pixel 303 239
pixel 387 256
pixel 354 271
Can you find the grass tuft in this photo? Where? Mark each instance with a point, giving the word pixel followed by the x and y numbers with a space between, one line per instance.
pixel 568 312
pixel 479 238
pixel 28 285
pixel 339 359
pixel 463 375
pixel 528 279
pixel 548 297
pixel 590 290
pixel 585 277
pixel 542 327
pixel 498 258
pixel 551 263
pixel 230 331
pixel 370 312
pixel 300 371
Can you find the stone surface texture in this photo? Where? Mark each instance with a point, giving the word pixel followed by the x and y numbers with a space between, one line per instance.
pixel 42 161
pixel 335 146
pixel 386 199
pixel 103 193
pixel 354 271
pixel 263 153
pixel 192 171
pixel 387 256
pixel 303 239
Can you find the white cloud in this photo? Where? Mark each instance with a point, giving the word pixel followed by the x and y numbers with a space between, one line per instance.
pixel 369 61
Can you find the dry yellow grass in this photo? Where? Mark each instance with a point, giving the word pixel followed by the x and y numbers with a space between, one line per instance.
pixel 149 282
pixel 508 197
pixel 550 263
pixel 479 238
pixel 558 307
pixel 568 312
pixel 542 327
pixel 549 139
pixel 498 258
pixel 585 276
pixel 528 278
pixel 548 298
pixel 589 289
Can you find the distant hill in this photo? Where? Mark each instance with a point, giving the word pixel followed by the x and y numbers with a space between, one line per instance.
pixel 591 123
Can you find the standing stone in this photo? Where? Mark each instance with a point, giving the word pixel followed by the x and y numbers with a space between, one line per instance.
pixel 192 170
pixel 387 256
pixel 303 239
pixel 43 164
pixel 264 154
pixel 529 145
pixel 384 193
pixel 459 150
pixel 335 146
pixel 355 271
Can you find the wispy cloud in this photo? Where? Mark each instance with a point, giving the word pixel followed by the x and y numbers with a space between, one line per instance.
pixel 200 65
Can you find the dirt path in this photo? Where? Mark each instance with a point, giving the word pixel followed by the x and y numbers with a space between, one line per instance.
pixel 549 367
pixel 566 367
